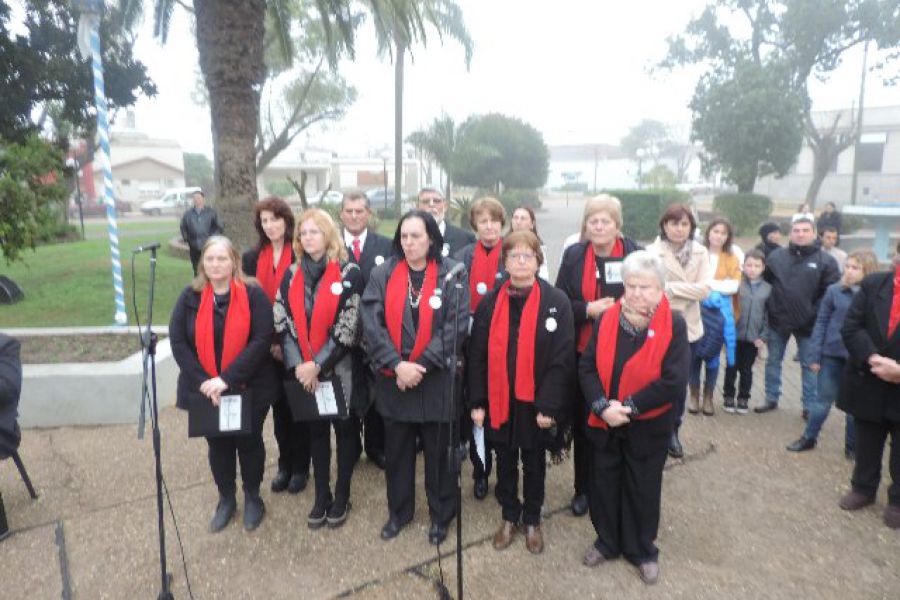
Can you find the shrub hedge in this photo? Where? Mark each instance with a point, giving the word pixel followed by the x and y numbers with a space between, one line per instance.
pixel 641 210
pixel 745 211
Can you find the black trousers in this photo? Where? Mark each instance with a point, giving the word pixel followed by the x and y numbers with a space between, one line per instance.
pixel 581 447
pixel 534 470
pixel 292 438
pixel 870 439
pixel 625 499
pixel 346 432
pixel 195 258
pixel 373 432
pixel 249 449
pixel 744 357
pixel 400 471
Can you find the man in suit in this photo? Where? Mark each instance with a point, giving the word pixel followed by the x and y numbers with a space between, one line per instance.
pixel 455 239
pixel 368 249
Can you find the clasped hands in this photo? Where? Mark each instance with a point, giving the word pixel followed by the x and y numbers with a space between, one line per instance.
pixel 543 421
pixel 615 413
pixel 307 374
pixel 598 307
pixel 409 374
pixel 213 388
pixel 886 369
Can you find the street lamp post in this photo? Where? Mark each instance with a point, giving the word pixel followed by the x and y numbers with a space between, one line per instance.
pixel 384 160
pixel 640 158
pixel 72 163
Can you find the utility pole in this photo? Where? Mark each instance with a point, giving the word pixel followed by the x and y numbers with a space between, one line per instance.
pixel 859 122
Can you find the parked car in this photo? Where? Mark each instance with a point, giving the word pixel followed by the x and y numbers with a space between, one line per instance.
pixel 377 198
pixel 173 201
pixel 331 196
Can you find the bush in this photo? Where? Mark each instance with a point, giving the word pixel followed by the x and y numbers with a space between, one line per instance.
pixel 745 211
pixel 641 210
pixel 513 198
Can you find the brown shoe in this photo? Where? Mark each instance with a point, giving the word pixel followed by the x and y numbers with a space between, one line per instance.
pixel 892 516
pixel 855 500
pixel 708 408
pixel 694 400
pixel 592 557
pixel 505 535
pixel 534 539
pixel 649 572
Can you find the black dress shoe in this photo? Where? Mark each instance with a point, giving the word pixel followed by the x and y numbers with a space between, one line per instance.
pixel 280 481
pixel 579 505
pixel 319 513
pixel 802 445
pixel 437 534
pixel 224 512
pixel 337 512
pixel 390 530
pixel 481 488
pixel 676 450
pixel 254 510
pixel 297 483
pixel 379 460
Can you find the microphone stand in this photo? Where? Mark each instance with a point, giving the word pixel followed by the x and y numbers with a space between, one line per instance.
pixel 454 453
pixel 148 343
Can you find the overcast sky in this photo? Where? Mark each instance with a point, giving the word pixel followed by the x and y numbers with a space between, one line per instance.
pixel 575 69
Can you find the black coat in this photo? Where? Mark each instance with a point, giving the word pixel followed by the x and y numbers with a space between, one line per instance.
pixel 864 395
pixel 643 436
pixel 427 401
pixel 343 334
pixel 568 279
pixel 251 367
pixel 832 219
pixel 374 252
pixel 10 390
pixel 554 371
pixel 455 239
pixel 197 227
pixel 799 276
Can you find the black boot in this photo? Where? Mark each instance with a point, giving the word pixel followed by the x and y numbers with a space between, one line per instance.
pixel 319 513
pixel 297 482
pixel 254 510
pixel 675 448
pixel 224 512
pixel 280 481
pixel 337 512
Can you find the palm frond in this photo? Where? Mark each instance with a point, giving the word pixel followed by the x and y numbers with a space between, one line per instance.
pixel 280 16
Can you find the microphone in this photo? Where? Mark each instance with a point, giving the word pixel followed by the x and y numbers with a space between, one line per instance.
pixel 456 270
pixel 146 247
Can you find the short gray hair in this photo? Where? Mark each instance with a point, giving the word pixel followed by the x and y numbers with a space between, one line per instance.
pixel 643 262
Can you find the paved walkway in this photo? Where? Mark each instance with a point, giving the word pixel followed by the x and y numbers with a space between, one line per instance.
pixel 742 518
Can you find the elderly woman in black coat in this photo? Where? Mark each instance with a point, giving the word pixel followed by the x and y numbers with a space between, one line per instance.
pixel 632 373
pixel 871 389
pixel 411 315
pixel 220 330
pixel 519 374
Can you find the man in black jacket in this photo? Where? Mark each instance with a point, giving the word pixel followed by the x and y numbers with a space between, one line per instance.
pixel 368 249
pixel 455 239
pixel 799 275
pixel 197 225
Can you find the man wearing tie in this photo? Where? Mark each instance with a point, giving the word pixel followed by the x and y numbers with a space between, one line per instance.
pixel 455 239
pixel 368 249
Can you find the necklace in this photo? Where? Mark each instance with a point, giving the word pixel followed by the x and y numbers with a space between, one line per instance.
pixel 415 295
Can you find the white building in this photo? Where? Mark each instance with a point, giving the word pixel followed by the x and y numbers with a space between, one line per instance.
pixel 143 167
pixel 879 163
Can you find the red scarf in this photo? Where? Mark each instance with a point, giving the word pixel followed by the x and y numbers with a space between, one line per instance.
pixel 313 337
pixel 395 304
pixel 590 286
pixel 498 344
pixel 237 327
pixel 895 305
pixel 644 367
pixel 484 270
pixel 270 278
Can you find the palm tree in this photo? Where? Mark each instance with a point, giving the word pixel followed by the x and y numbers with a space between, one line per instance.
pixel 438 142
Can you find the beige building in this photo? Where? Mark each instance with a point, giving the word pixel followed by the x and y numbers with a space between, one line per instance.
pixel 143 167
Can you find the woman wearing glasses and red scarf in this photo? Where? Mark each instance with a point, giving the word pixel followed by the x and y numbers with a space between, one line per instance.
pixel 591 276
pixel 486 273
pixel 520 371
pixel 221 331
pixel 632 372
pixel 317 315
pixel 268 262
pixel 410 318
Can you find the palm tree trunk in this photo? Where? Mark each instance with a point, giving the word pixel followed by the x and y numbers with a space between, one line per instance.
pixel 230 47
pixel 398 126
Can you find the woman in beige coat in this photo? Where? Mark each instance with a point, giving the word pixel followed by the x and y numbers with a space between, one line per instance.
pixel 688 276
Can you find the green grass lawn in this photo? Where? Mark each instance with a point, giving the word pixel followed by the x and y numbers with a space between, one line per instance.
pixel 71 284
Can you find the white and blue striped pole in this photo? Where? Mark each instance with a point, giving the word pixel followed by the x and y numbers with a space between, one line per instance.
pixel 92 21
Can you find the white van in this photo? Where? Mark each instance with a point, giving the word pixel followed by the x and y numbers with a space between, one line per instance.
pixel 172 202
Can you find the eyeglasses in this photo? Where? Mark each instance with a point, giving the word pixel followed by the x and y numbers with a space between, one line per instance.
pixel 433 201
pixel 522 256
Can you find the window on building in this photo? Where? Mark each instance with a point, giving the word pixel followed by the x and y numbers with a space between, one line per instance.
pixel 870 152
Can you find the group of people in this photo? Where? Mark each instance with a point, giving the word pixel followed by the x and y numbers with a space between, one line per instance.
pixel 337 327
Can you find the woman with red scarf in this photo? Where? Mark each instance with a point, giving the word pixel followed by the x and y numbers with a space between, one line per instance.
pixel 221 331
pixel 591 276
pixel 631 385
pixel 317 316
pixel 871 388
pixel 268 262
pixel 411 315
pixel 486 273
pixel 519 373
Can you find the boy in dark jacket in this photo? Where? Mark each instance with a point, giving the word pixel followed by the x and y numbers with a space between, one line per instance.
pixel 752 329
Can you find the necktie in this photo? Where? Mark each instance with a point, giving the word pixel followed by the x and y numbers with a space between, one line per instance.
pixel 356 249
